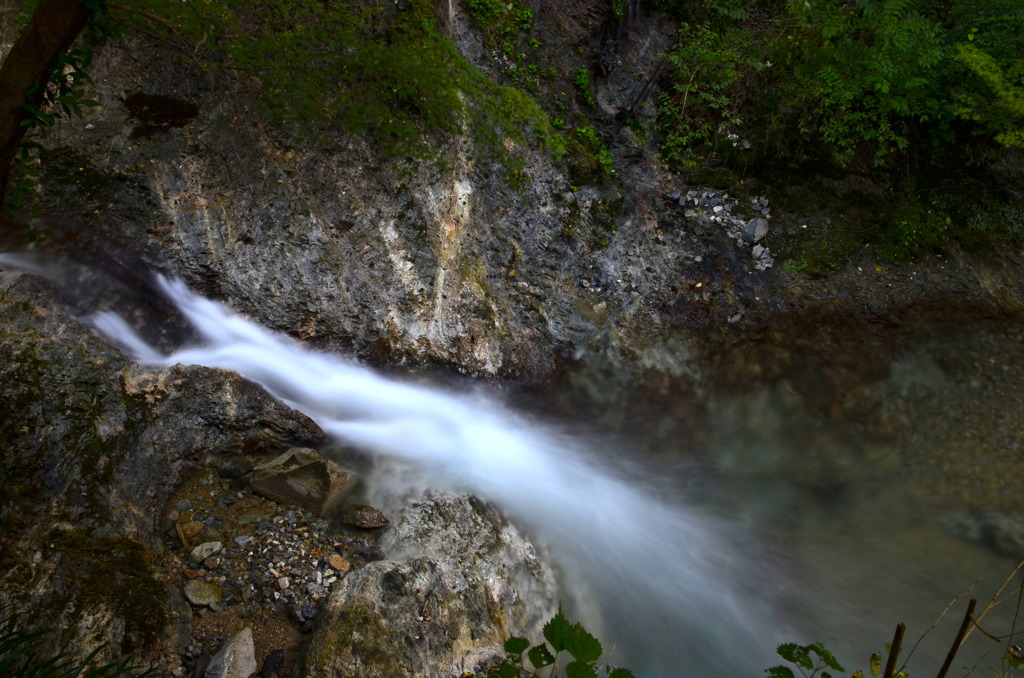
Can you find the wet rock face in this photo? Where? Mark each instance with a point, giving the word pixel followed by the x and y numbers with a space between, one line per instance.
pixel 457 581
pixel 93 447
pixel 348 250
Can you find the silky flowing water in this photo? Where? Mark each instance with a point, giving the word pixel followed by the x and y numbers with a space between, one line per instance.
pixel 785 528
pixel 696 554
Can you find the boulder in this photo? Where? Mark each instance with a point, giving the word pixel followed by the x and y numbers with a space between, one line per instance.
pixel 755 230
pixel 236 659
pixel 458 580
pixel 301 477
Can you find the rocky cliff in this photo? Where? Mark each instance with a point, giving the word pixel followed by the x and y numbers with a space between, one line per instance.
pixel 657 284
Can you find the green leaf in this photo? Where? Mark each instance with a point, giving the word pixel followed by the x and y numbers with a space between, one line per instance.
pixel 540 656
pixel 583 646
pixel 827 657
pixel 516 645
pixel 620 673
pixel 780 672
pixel 876 664
pixel 557 631
pixel 790 651
pixel 578 669
pixel 506 670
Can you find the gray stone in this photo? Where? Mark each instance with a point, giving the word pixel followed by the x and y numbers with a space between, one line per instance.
pixel 204 551
pixel 236 659
pixel 301 477
pixel 755 229
pixel 202 593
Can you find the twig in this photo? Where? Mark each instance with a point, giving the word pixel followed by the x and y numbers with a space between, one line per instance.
pixel 958 641
pixel 643 93
pixel 939 619
pixel 992 602
pixel 978 626
pixel 1013 627
pixel 141 12
pixel 894 650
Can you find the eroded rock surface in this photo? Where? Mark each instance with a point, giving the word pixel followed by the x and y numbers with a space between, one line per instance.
pixel 457 581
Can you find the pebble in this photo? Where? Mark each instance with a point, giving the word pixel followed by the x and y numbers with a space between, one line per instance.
pixel 755 229
pixel 201 593
pixel 268 545
pixel 190 528
pixel 205 550
pixel 365 517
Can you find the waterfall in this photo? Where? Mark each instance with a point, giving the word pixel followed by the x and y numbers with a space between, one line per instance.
pixel 677 592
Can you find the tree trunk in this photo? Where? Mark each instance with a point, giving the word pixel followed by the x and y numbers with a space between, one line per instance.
pixel 53 27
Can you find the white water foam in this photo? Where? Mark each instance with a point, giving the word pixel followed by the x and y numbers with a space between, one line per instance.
pixel 673 588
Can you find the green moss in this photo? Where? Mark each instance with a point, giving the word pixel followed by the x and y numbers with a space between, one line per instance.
pixel 359 634
pixel 819 252
pixel 115 573
pixel 589 160
pixel 379 69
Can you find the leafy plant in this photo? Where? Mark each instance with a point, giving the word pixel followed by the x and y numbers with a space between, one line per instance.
pixel 562 636
pixel 810 660
pixel 699 106
pixel 582 82
pixel 589 158
pixel 19 658
pixel 861 81
pixel 1000 109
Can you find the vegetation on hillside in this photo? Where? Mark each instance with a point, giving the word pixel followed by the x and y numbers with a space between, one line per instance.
pixel 867 81
pixel 924 97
